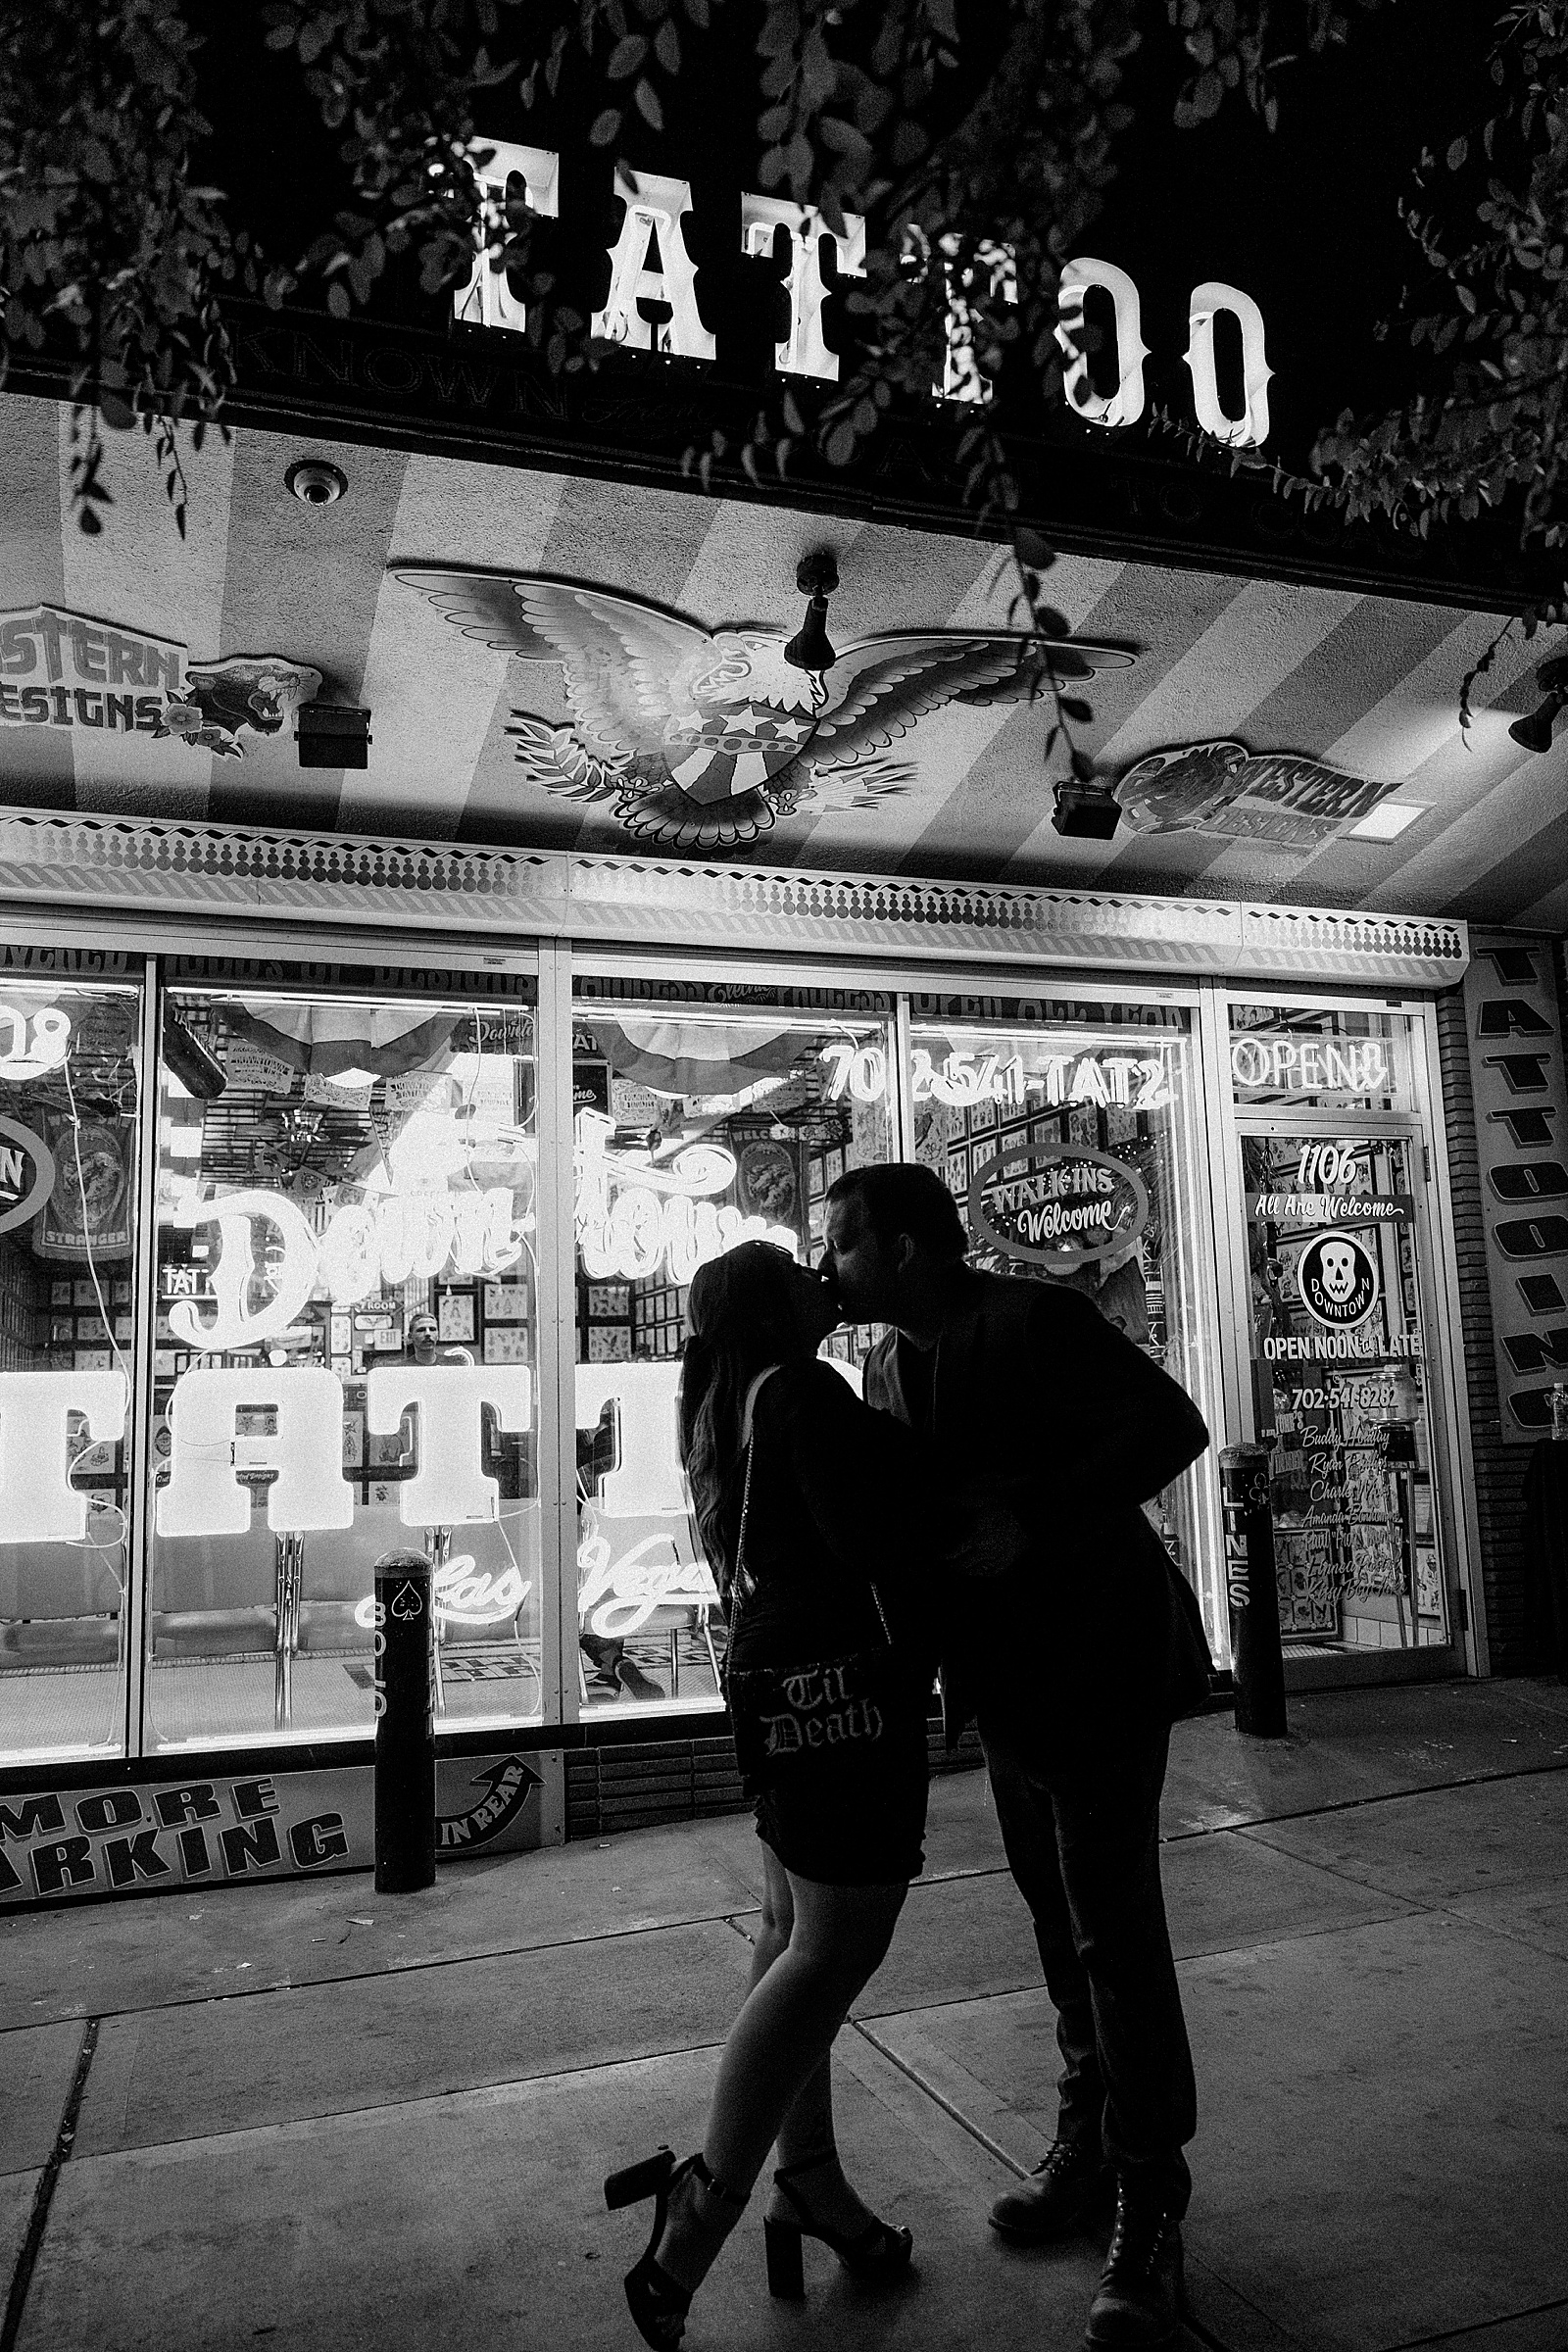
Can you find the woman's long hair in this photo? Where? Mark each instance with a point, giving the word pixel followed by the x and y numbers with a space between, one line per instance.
pixel 742 1314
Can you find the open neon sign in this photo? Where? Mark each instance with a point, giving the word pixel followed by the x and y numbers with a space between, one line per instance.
pixel 1311 1066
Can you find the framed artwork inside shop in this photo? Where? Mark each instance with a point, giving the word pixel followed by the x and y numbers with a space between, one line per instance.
pixel 71 1109
pixel 345 1187
pixel 706 1114
pixel 1340 1334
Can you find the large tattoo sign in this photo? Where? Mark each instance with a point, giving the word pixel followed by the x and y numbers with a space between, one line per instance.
pixel 649 263
pixel 1058 1205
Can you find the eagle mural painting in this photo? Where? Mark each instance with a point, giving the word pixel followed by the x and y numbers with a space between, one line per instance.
pixel 701 740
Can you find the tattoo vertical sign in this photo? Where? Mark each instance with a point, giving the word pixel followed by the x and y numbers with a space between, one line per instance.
pixel 1513 1022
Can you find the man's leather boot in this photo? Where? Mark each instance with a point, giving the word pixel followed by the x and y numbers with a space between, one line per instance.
pixel 1138 2304
pixel 1070 2186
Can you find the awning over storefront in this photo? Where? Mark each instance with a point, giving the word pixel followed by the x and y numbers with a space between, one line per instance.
pixel 1266 741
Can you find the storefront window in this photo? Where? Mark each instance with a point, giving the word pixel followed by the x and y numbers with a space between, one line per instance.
pixel 705 1115
pixel 70 1108
pixel 345 1355
pixel 1069 1134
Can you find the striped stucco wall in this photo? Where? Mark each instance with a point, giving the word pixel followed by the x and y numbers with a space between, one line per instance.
pixel 1499 1469
pixel 1367 684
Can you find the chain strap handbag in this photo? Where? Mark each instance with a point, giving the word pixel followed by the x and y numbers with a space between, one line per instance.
pixel 844 1705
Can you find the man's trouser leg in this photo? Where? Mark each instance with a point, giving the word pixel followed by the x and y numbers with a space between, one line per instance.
pixel 1027 1819
pixel 1084 1846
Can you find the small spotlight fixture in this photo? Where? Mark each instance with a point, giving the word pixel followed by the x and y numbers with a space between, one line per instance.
pixel 317 482
pixel 815 577
pixel 329 735
pixel 1534 733
pixel 1085 811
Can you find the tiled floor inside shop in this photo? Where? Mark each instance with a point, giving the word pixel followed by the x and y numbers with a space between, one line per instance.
pixel 316 2118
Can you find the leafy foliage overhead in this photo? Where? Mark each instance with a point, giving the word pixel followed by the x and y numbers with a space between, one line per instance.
pixel 113 253
pixel 1489 327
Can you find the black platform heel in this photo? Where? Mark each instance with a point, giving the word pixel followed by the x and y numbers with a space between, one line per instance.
pixel 659 2303
pixel 876 2254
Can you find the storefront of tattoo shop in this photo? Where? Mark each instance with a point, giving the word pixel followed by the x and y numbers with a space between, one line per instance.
pixel 327 1230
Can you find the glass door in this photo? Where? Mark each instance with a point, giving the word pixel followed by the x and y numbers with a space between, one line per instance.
pixel 1340 1334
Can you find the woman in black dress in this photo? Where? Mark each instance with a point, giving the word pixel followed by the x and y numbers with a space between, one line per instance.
pixel 840 1541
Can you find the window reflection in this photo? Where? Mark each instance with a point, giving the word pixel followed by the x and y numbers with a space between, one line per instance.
pixel 702 1117
pixel 68 1112
pixel 1069 1135
pixel 344 1357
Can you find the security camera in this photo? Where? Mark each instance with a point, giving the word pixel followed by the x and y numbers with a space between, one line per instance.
pixel 317 482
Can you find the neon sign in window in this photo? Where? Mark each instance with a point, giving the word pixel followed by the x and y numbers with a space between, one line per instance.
pixel 636 1220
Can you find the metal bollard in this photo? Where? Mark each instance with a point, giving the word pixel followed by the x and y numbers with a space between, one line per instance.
pixel 1256 1662
pixel 404 1737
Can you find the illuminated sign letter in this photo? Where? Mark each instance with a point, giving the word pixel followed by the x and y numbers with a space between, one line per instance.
pixel 487 300
pixel 1249 431
pixel 293 1276
pixel 451 1486
pixel 648 1477
pixel 654 209
pixel 804 353
pixel 961 378
pixel 204 1495
pixel 38 1504
pixel 1125 404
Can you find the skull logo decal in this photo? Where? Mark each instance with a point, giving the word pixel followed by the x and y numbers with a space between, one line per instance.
pixel 1339 1270
pixel 1338 1278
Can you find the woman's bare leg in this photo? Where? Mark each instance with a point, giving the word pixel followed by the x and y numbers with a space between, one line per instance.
pixel 807 2132
pixel 802 1989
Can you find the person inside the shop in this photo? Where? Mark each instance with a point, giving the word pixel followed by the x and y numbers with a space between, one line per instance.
pixel 425 1343
pixel 817 1519
pixel 1076 1651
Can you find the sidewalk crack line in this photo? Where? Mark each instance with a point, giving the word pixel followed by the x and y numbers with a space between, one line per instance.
pixel 1476 2327
pixel 43 2195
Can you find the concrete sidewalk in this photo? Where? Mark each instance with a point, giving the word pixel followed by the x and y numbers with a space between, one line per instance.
pixel 306 2116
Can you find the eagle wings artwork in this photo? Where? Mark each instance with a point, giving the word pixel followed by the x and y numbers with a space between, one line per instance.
pixel 702 739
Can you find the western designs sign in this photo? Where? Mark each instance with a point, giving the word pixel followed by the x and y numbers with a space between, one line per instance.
pixel 64 669
pixel 124 1838
pixel 1284 800
pixel 1517 1076
pixel 1058 1205
pixel 648 263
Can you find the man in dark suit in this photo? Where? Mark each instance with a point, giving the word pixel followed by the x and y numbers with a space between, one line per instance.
pixel 1075 1644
